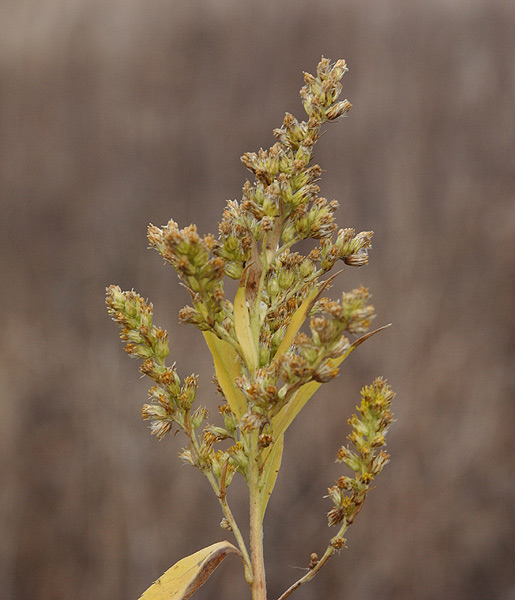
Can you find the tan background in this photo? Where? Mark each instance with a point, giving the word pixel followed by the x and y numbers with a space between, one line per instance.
pixel 119 113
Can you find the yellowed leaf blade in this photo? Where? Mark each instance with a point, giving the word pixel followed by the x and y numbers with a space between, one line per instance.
pixel 187 575
pixel 273 464
pixel 298 318
pixel 244 331
pixel 284 418
pixel 227 369
pixel 363 338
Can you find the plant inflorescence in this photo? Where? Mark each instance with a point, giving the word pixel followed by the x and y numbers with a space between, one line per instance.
pixel 266 368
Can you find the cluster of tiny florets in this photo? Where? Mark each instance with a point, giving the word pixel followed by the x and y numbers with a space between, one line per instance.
pixel 368 457
pixel 170 400
pixel 279 207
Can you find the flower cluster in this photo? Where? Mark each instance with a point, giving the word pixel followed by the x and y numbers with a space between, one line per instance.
pixel 367 436
pixel 200 271
pixel 280 208
pixel 278 340
pixel 311 357
pixel 135 316
pixel 282 205
pixel 170 401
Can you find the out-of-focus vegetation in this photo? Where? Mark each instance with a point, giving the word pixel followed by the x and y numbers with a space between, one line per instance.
pixel 115 114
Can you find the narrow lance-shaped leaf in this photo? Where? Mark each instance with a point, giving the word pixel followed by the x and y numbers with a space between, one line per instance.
pixel 227 369
pixel 187 575
pixel 274 457
pixel 243 329
pixel 283 420
pixel 296 322
pixel 272 465
pixel 299 316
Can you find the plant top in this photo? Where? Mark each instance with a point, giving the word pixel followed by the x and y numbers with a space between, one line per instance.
pixel 266 368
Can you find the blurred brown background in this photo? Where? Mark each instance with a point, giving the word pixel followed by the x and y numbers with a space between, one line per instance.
pixel 114 114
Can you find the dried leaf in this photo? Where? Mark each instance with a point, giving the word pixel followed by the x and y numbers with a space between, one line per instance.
pixel 187 575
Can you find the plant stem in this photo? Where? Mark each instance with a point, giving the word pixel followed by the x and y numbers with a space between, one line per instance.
pixel 222 498
pixel 256 525
pixel 331 549
pixel 234 526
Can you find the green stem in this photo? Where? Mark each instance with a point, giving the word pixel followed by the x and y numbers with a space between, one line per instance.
pixel 222 498
pixel 255 316
pixel 256 524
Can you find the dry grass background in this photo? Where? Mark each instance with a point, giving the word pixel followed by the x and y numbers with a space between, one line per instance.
pixel 118 113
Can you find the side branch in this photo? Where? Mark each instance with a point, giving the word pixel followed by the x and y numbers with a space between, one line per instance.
pixel 221 494
pixel 336 544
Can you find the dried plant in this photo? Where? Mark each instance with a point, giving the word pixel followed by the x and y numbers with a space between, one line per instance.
pixel 266 368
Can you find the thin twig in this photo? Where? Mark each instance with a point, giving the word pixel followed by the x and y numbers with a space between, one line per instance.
pixel 331 549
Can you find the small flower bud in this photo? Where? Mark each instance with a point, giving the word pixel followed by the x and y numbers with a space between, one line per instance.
pixel 349 458
pixel 325 372
pixel 338 543
pixel 289 232
pixel 160 428
pixel 338 110
pixel 219 432
pixel 310 353
pixel 265 440
pixel 188 391
pixel 302 156
pixel 198 416
pixel 335 516
pixel 229 418
pixel 138 350
pixel 161 347
pixel 273 287
pixel 153 411
pixel 379 462
pixel 286 278
pixel 238 457
pixel 187 457
pixel 306 268
pixel 335 495
pixel 359 259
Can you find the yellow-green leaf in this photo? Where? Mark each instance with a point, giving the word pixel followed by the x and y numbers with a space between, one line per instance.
pixel 284 418
pixel 299 316
pixel 272 469
pixel 187 575
pixel 244 330
pixel 227 369
pixel 287 414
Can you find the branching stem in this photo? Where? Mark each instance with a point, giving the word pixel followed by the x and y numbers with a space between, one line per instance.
pixel 222 498
pixel 331 549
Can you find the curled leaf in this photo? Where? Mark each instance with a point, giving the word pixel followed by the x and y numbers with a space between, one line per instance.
pixel 187 575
